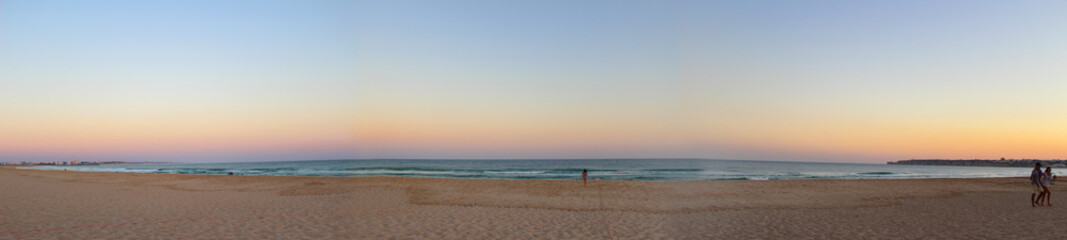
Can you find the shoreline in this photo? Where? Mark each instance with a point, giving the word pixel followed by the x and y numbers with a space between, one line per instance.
pixel 168 205
pixel 642 173
pixel 576 177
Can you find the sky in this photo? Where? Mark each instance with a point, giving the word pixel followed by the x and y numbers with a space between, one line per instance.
pixel 826 81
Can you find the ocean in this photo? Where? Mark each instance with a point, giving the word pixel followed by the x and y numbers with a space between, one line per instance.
pixel 606 169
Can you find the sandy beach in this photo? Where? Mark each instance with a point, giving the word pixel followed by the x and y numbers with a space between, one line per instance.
pixel 85 205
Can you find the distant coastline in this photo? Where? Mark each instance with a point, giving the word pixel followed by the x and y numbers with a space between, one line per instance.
pixel 983 162
pixel 71 163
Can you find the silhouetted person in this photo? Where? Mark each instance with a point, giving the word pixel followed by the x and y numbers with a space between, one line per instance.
pixel 1052 178
pixel 1045 182
pixel 1035 184
pixel 585 175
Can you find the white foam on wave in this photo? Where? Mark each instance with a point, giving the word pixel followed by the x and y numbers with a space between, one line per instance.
pixel 126 170
pixel 515 172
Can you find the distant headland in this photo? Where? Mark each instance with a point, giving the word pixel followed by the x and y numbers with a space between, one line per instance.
pixel 984 162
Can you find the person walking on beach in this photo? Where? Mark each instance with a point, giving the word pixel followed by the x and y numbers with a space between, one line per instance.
pixel 1051 178
pixel 1035 184
pixel 1045 182
pixel 585 175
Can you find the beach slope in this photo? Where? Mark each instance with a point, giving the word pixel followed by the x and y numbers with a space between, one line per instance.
pixel 85 205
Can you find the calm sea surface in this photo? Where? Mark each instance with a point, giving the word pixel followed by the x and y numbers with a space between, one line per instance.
pixel 608 169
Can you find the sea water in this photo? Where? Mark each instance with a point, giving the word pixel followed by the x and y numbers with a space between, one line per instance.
pixel 607 169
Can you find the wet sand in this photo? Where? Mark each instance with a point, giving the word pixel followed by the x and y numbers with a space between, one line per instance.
pixel 83 205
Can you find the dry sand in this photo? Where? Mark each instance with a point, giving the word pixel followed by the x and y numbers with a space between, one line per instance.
pixel 83 205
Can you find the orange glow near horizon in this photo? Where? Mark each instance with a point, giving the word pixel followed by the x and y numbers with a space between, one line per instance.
pixel 380 131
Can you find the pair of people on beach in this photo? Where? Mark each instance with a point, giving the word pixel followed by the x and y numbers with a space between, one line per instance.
pixel 1040 182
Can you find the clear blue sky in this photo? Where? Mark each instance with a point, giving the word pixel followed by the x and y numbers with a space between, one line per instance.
pixel 856 81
